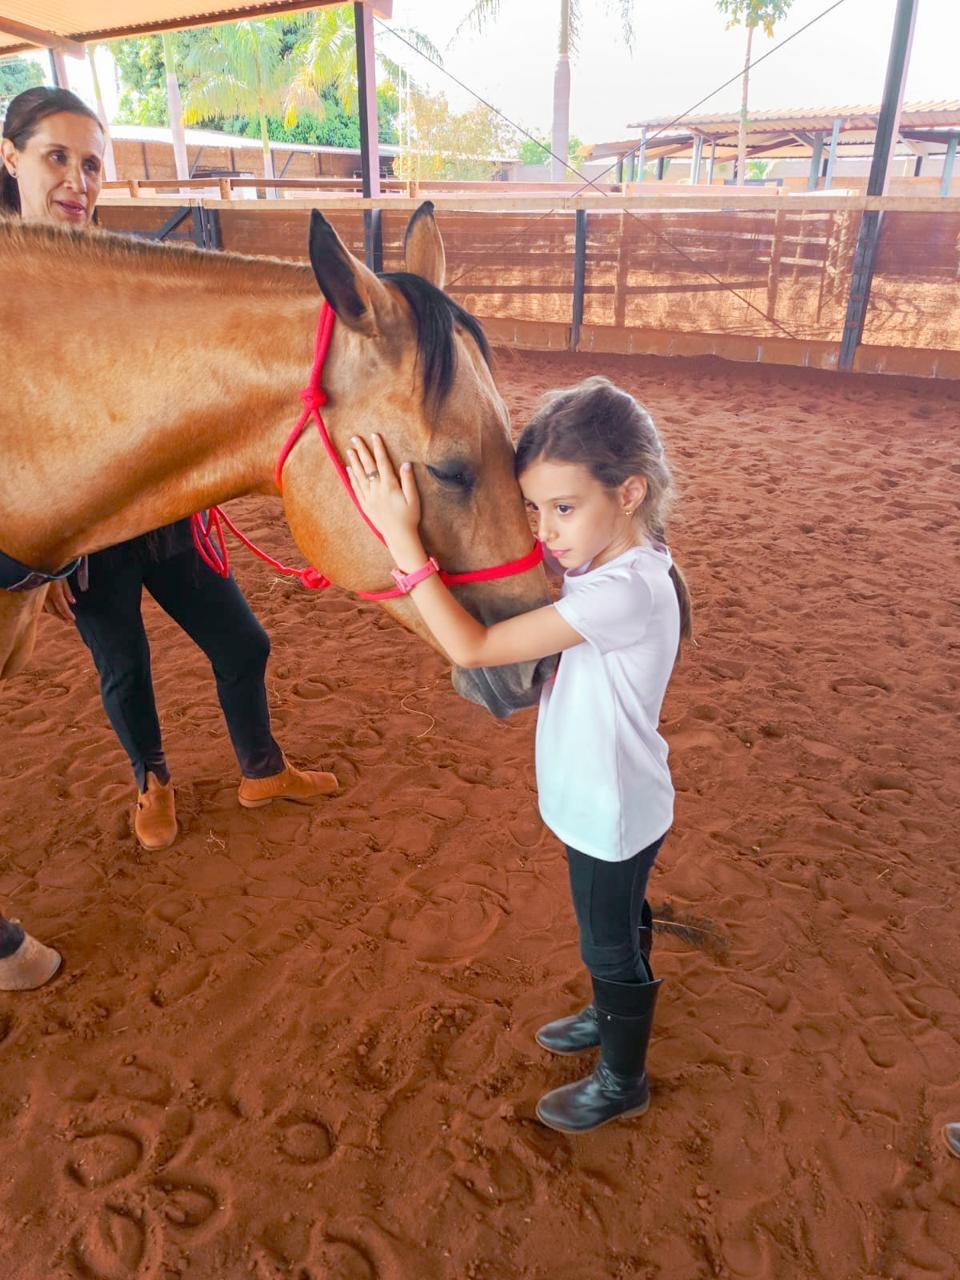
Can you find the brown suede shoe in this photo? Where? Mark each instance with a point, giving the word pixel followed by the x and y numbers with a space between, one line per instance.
pixel 302 786
pixel 30 966
pixel 155 817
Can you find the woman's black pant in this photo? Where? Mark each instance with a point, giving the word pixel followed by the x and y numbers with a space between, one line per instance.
pixel 11 935
pixel 608 900
pixel 214 614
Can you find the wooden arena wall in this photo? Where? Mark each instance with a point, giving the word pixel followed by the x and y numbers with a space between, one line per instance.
pixel 767 284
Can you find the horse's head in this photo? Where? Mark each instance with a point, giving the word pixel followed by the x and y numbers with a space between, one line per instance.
pixel 408 362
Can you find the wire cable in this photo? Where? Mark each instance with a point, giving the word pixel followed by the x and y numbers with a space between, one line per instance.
pixel 594 182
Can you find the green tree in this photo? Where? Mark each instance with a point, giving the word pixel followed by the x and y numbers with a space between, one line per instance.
pixel 443 144
pixel 17 74
pixel 335 128
pixel 237 68
pixel 534 153
pixel 142 75
pixel 572 13
pixel 753 14
pixel 325 58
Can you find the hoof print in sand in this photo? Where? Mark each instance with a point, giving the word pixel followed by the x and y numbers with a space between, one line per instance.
pixel 187 1205
pixel 114 1244
pixel 140 1083
pixel 304 1138
pixel 103 1157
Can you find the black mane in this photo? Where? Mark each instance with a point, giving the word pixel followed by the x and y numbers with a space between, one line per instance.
pixel 436 316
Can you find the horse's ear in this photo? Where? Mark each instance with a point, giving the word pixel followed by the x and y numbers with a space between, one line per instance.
pixel 423 246
pixel 361 301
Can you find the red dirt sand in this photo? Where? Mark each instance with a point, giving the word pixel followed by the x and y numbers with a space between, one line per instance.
pixel 300 1043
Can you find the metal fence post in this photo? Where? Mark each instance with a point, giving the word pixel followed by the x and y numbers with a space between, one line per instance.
pixel 884 145
pixel 579 277
pixel 212 239
pixel 373 239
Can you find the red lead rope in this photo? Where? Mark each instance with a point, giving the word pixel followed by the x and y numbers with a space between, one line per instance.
pixel 207 530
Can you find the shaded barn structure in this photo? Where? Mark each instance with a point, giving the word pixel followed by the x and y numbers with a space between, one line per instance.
pixel 820 140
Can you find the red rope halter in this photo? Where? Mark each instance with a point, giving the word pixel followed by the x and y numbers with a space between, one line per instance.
pixel 207 530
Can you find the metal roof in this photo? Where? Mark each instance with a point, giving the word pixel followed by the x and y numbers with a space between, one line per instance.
pixel 26 24
pixel 810 118
pixel 789 134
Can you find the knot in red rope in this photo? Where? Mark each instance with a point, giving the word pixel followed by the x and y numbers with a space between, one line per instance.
pixel 314 398
pixel 313 579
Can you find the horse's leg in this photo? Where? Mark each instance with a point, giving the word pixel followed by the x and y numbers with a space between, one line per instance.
pixel 19 611
pixel 25 963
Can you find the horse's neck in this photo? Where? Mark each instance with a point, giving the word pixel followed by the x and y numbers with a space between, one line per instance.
pixel 158 402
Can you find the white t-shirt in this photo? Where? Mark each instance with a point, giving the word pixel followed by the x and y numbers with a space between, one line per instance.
pixel 602 775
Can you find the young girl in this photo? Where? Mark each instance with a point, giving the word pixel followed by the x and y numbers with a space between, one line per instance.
pixel 595 481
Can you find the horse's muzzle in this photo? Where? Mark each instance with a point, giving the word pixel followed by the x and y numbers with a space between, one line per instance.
pixel 503 690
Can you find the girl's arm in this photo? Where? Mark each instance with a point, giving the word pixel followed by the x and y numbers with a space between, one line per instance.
pixel 394 507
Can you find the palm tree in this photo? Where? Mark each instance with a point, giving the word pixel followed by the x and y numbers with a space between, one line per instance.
pixel 174 105
pixel 326 57
pixel 109 163
pixel 753 14
pixel 237 68
pixel 571 22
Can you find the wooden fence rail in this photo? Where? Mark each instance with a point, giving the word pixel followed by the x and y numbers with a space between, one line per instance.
pixel 741 275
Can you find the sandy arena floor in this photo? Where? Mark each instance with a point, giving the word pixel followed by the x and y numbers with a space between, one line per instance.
pixel 300 1044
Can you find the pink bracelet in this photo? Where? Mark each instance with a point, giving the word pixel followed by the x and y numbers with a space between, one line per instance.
pixel 407 581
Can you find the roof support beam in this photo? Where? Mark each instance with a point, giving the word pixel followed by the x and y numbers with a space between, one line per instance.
pixel 948 160
pixel 832 155
pixel 42 39
pixel 369 132
pixel 642 155
pixel 814 175
pixel 884 147
pixel 696 161
pixel 888 124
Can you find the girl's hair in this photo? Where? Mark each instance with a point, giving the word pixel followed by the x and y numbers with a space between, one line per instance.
pixel 24 115
pixel 598 426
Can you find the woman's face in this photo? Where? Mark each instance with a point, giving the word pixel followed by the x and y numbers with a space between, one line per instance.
pixel 59 171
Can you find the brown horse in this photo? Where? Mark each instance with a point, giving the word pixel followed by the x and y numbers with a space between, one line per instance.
pixel 141 383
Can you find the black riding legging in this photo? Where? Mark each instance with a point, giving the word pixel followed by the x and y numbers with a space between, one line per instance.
pixel 608 900
pixel 214 614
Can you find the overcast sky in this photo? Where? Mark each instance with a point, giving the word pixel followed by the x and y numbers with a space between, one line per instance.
pixel 681 52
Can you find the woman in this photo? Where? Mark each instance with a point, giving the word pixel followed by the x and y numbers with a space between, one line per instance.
pixel 52 154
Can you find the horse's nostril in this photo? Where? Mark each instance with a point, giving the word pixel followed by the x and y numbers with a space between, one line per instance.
pixel 544 670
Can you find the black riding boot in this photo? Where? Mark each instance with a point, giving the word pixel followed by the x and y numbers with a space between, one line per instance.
pixel 579 1032
pixel 618 1085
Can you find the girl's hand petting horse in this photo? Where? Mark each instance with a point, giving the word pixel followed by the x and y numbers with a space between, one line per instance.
pixel 390 501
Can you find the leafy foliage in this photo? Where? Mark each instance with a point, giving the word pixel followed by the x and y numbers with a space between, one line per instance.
pixel 443 144
pixel 754 13
pixel 308 79
pixel 335 128
pixel 533 153
pixel 572 13
pixel 17 74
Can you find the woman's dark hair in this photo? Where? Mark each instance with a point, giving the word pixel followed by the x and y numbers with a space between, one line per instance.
pixel 24 114
pixel 598 426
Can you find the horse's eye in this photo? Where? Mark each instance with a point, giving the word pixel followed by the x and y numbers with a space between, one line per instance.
pixel 454 479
